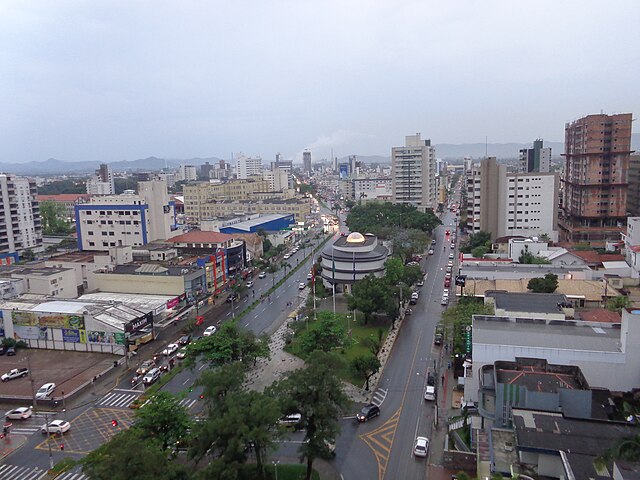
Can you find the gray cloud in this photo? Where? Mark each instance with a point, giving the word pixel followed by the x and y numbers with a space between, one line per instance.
pixel 122 80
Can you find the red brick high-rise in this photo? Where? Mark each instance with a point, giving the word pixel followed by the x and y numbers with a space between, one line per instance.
pixel 597 150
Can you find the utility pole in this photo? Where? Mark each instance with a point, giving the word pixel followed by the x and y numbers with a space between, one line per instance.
pixel 46 419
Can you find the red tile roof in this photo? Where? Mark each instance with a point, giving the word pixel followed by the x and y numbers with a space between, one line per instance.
pixel 198 236
pixel 600 315
pixel 635 248
pixel 594 258
pixel 64 197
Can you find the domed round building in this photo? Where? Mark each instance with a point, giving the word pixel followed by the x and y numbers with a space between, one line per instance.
pixel 352 258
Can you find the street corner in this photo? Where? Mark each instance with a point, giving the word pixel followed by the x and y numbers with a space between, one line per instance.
pixel 10 443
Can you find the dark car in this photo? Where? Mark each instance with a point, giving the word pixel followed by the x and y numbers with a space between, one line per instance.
pixel 11 351
pixel 184 340
pixel 367 412
pixel 233 296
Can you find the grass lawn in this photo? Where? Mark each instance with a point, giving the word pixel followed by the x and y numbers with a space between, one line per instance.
pixel 354 346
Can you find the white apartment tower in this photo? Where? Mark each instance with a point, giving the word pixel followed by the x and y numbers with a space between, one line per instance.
pixel 188 173
pixel 102 182
pixel 510 204
pixel 128 219
pixel 248 167
pixel 20 225
pixel 413 171
pixel 278 179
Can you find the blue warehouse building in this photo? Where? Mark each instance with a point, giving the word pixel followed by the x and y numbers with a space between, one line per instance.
pixel 269 223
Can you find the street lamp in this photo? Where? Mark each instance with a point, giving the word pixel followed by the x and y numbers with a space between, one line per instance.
pixel 275 466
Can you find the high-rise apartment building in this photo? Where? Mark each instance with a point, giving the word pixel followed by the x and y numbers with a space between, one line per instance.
pixel 20 225
pixel 413 170
pixel 278 179
pixel 187 173
pixel 536 159
pixel 510 204
pixel 633 192
pixel 286 165
pixel 102 182
pixel 306 161
pixel 597 150
pixel 248 167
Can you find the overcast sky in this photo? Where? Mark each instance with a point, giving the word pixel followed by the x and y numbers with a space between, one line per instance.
pixel 121 80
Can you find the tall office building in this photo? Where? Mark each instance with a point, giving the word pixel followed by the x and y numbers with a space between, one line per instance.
pixel 248 167
pixel 413 170
pixel 286 165
pixel 502 203
pixel 306 161
pixel 536 159
pixel 597 150
pixel 20 224
pixel 102 182
pixel 187 173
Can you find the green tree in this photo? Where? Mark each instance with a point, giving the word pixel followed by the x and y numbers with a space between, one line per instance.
pixel 27 255
pixel 63 186
pixel 129 183
pixel 365 366
pixel 374 344
pixel 229 344
pixel 409 242
pixel 369 295
pixel 616 304
pixel 237 419
pixel 272 269
pixel 164 419
pixel 316 393
pixel 128 455
pixel 548 284
pixel 477 239
pixel 385 219
pixel 53 218
pixel 479 252
pixel 325 334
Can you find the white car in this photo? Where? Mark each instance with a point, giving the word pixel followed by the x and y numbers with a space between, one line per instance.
pixel 287 256
pixel 451 256
pixel 45 390
pixel 415 295
pixel 302 286
pixel 431 252
pixel 262 274
pixel 421 448
pixel 210 331
pixel 309 276
pixel 249 284
pixel 170 349
pixel 57 426
pixel 445 292
pixel 444 301
pixel 20 413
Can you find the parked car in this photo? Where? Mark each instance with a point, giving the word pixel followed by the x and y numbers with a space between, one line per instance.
pixel 451 256
pixel 210 331
pixel 367 412
pixel 262 274
pixel 20 413
pixel 233 296
pixel 184 340
pixel 15 373
pixel 445 292
pixel 421 282
pixel 287 256
pixel 291 421
pixel 444 301
pixel 453 245
pixel 421 447
pixel 309 276
pixel 145 367
pixel 302 286
pixel 447 282
pixel 151 376
pixel 56 426
pixel 433 241
pixel 250 284
pixel 170 349
pixel 431 252
pixel 45 390
pixel 11 351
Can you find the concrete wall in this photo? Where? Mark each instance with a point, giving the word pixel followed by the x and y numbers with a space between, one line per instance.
pixel 143 284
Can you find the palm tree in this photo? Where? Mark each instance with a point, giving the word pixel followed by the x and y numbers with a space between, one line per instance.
pixel 272 269
pixel 624 449
pixel 284 266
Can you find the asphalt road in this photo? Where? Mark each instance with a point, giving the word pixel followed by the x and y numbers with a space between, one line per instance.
pixel 383 447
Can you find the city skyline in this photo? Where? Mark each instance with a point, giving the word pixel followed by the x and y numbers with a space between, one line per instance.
pixel 112 82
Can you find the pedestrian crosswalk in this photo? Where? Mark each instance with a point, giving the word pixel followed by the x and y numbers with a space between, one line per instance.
pixel 378 396
pixel 13 472
pixel 118 398
pixel 74 474
pixel 187 403
pixel 24 430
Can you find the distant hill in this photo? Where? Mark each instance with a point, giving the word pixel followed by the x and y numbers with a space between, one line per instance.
pixel 446 151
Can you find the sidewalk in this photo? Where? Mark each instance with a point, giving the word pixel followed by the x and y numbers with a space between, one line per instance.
pixel 10 444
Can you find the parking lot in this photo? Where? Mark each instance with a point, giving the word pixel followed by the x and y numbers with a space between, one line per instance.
pixel 68 370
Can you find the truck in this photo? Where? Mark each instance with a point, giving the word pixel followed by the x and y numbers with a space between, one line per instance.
pixel 430 391
pixel 15 373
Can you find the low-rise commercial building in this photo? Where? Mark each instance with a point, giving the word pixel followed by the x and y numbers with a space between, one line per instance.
pixel 49 281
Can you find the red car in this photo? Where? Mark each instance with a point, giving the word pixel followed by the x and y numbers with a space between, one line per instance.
pixel 199 320
pixel 447 282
